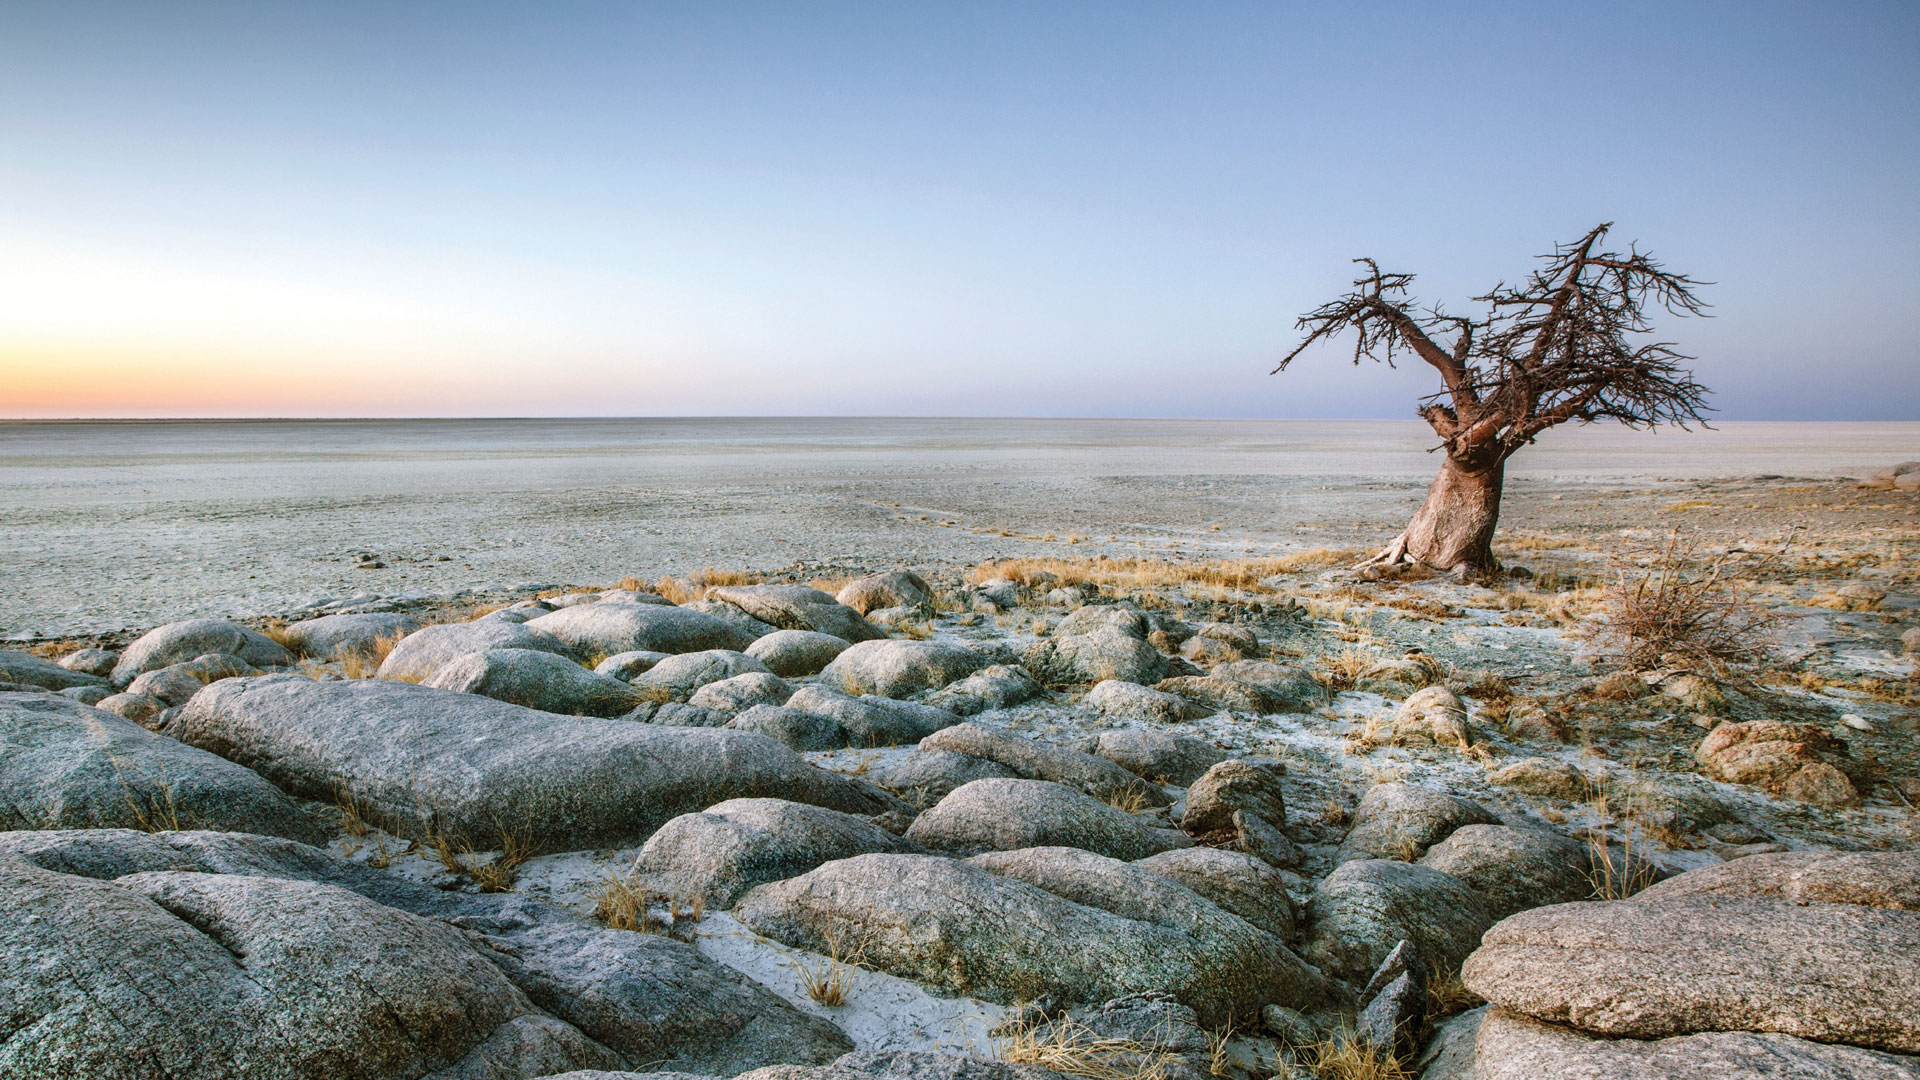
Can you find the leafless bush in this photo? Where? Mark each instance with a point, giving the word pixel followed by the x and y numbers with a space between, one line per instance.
pixel 1667 600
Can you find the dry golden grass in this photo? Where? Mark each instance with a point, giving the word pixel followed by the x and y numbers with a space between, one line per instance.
pixel 1334 812
pixel 915 631
pixel 356 664
pixel 829 585
pixel 456 853
pixel 353 818
pixel 1345 1056
pixel 621 901
pixel 1534 542
pixel 1447 995
pixel 1138 573
pixel 150 801
pixel 831 980
pixel 1615 875
pixel 276 631
pixel 1341 670
pixel 1132 799
pixel 694 586
pixel 53 650
pixel 1066 1046
pixel 632 584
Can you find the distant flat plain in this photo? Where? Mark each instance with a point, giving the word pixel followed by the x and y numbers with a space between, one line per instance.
pixel 116 525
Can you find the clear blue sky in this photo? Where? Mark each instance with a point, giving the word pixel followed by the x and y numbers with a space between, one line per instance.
pixel 1061 209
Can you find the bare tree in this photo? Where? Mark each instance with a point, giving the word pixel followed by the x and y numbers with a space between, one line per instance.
pixel 1567 344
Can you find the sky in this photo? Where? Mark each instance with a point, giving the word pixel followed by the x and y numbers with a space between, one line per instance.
pixel 1026 209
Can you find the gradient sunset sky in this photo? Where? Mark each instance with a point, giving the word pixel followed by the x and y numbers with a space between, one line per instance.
pixel 1103 209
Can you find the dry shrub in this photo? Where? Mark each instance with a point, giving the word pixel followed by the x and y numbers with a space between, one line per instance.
pixel 353 817
pixel 54 650
pixel 1069 1047
pixel 631 584
pixel 829 585
pixel 1665 600
pixel 1132 799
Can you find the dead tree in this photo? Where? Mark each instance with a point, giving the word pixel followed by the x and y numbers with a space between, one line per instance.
pixel 1567 344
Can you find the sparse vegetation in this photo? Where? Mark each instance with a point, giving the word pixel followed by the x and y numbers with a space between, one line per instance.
pixel 830 981
pixel 365 664
pixel 621 901
pixel 1666 602
pixel 1345 1056
pixel 1066 1046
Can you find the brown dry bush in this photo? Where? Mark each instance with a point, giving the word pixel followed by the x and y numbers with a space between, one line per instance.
pixel 1667 601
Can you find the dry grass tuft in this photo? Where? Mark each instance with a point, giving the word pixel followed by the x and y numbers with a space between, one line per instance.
pixel 1132 799
pixel 695 585
pixel 1068 1047
pixel 1340 671
pixel 150 801
pixel 1611 866
pixel 356 664
pixel 1447 995
pixel 632 584
pixel 353 819
pixel 1345 1056
pixel 914 631
pixel 1665 601
pixel 276 630
pixel 830 982
pixel 621 902
pixel 496 875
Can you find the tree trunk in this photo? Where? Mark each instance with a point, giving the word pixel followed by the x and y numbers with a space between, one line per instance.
pixel 1453 529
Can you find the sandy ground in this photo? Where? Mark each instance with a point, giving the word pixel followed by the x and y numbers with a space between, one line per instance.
pixel 112 527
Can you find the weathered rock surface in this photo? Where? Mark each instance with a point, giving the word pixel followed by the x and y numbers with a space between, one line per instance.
pixel 208 975
pixel 172 684
pixel 651 998
pixel 895 588
pixel 628 665
pixel 1234 785
pixel 1512 1046
pixel 1830 972
pixel 1434 715
pixel 742 692
pixel 617 628
pixel 1513 869
pixel 791 728
pixel 139 708
pixel 1131 701
pixel 1216 694
pixel 998 687
pixel 926 776
pixel 797 607
pixel 88 662
pixel 793 654
pixel 872 720
pixel 900 669
pixel 1362 910
pixel 1397 820
pixel 1001 815
pixel 1036 760
pixel 179 641
pixel 1884 879
pixel 1103 653
pixel 951 924
pixel 679 676
pixel 29 670
pixel 1287 688
pixel 421 654
pixel 539 680
pixel 730 847
pixel 66 766
pixel 1550 777
pixel 1154 755
pixel 483 768
pixel 1235 881
pixel 332 637
pixel 1796 760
